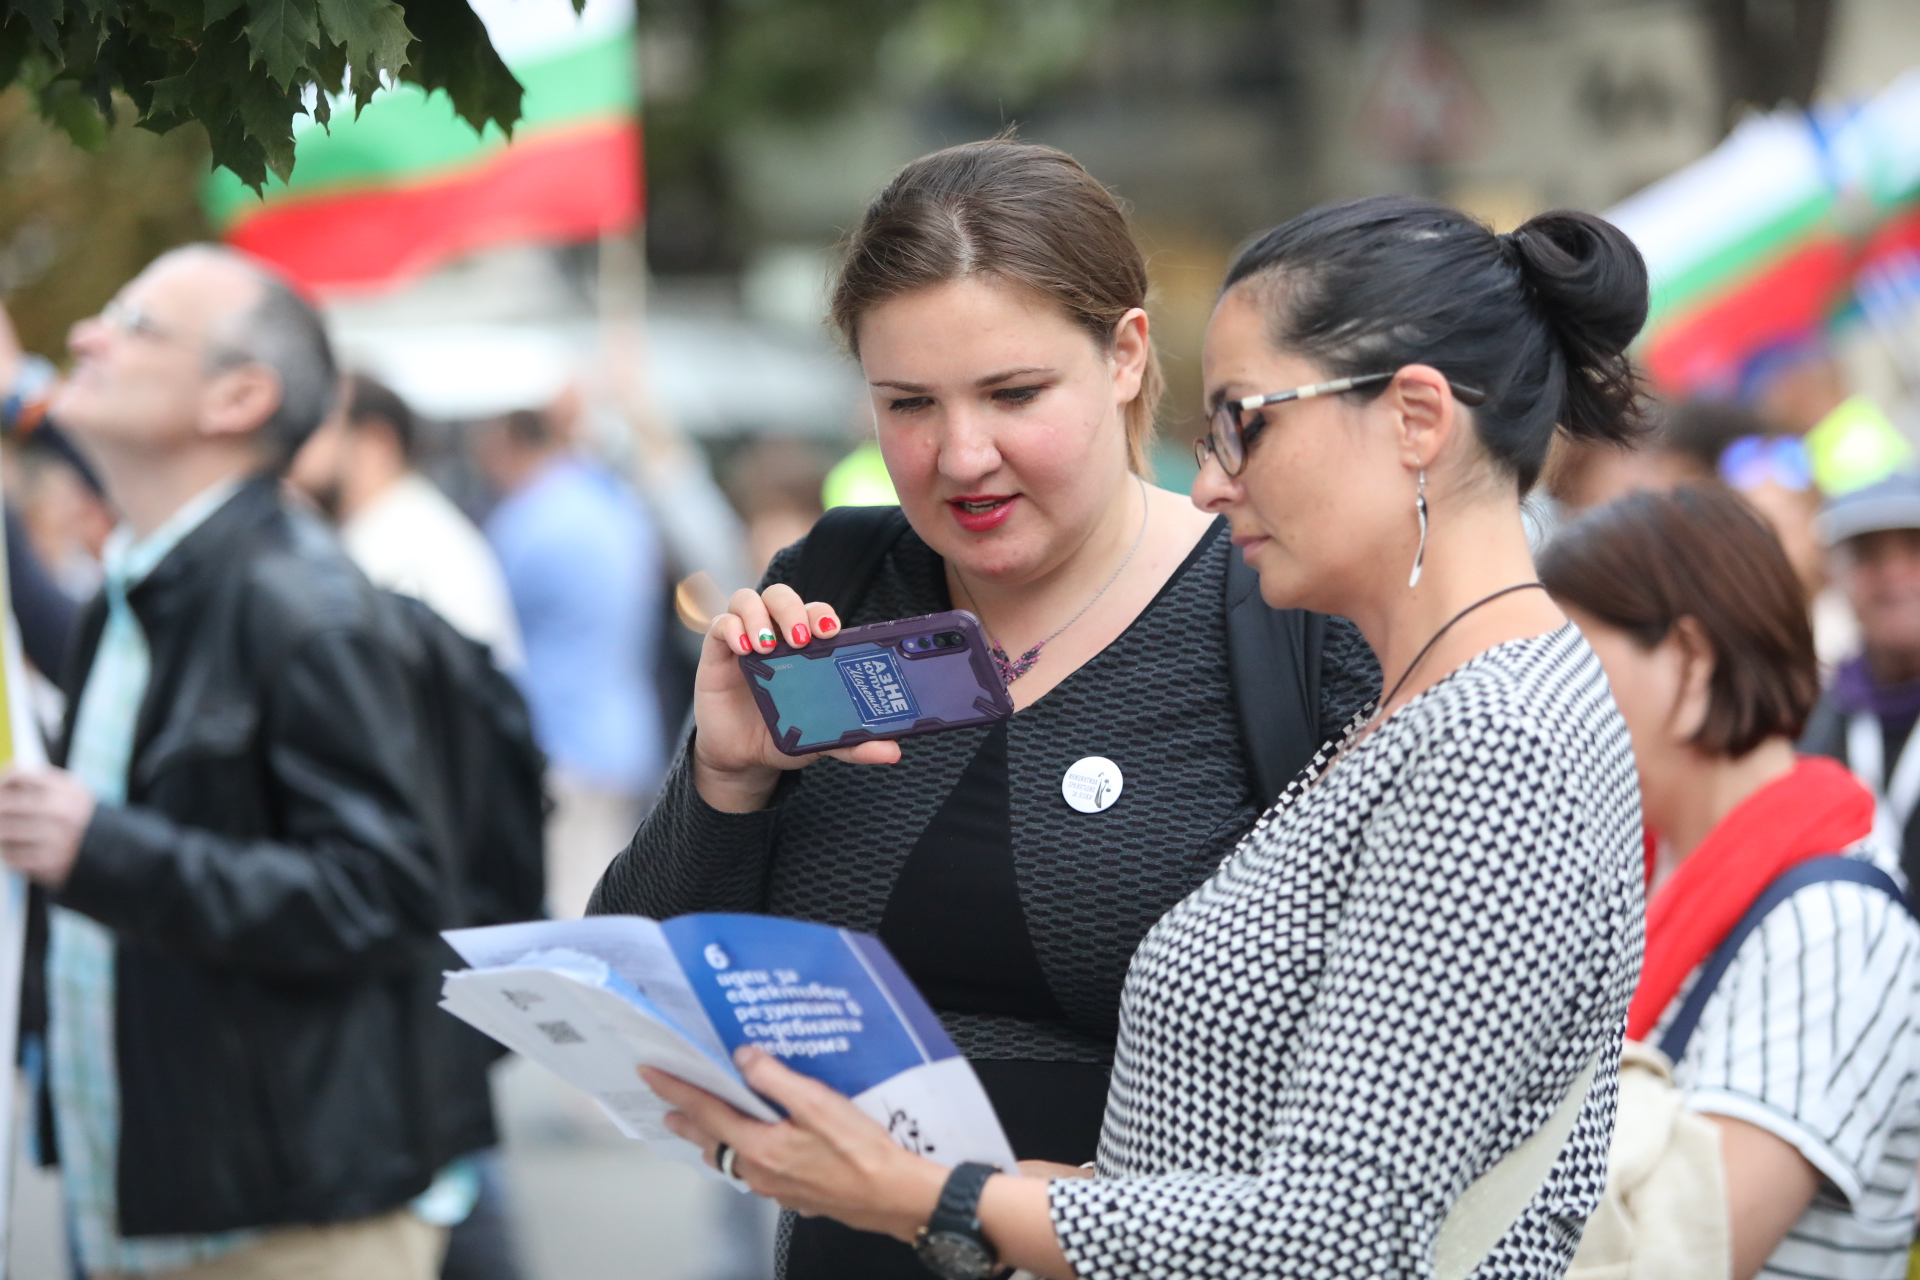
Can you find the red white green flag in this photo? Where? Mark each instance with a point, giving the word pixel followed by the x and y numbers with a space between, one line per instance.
pixel 408 184
pixel 1795 219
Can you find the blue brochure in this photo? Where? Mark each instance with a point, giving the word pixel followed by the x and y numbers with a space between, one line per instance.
pixel 595 999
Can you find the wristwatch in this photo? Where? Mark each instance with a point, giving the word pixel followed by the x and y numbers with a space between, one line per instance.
pixel 952 1244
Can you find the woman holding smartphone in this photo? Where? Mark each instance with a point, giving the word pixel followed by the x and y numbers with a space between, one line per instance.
pixel 994 296
pixel 1422 957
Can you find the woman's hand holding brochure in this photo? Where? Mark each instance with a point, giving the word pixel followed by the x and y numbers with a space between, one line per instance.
pixel 596 1000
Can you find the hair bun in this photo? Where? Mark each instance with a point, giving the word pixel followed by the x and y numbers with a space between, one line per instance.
pixel 1591 286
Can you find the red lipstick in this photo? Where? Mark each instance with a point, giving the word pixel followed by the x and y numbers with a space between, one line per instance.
pixel 982 512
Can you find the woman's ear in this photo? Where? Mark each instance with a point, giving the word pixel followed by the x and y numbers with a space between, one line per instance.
pixel 1694 697
pixel 1424 411
pixel 1131 345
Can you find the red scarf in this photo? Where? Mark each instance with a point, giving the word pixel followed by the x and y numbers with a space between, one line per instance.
pixel 1819 808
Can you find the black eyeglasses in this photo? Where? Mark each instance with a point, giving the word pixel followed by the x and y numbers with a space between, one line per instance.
pixel 1228 434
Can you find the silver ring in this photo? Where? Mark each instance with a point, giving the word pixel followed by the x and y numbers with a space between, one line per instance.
pixel 723 1157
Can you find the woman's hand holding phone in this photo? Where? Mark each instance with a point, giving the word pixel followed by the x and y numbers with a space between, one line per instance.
pixel 735 764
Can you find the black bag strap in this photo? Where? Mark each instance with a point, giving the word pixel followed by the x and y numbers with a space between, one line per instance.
pixel 1831 869
pixel 1273 659
pixel 843 552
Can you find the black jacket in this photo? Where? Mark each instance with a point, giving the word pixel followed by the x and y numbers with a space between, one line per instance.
pixel 1826 735
pixel 276 895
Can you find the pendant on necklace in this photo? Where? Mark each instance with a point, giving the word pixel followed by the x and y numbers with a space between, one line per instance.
pixel 1010 669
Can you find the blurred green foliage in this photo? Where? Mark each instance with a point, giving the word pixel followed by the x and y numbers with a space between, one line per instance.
pixel 243 69
pixel 75 225
pixel 751 62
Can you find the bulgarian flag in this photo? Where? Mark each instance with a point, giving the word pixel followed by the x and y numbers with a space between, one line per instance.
pixel 408 184
pixel 1794 220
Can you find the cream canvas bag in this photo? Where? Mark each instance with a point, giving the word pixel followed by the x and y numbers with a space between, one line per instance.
pixel 1664 1214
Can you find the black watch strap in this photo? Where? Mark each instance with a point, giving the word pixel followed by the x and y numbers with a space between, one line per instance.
pixel 959 1207
pixel 952 1244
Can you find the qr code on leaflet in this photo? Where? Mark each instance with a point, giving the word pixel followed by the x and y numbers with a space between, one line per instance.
pixel 561 1032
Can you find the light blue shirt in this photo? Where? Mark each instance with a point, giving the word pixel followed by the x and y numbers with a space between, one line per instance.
pixel 82 1068
pixel 583 566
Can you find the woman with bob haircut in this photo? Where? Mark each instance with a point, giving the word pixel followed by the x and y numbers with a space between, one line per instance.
pixel 1806 1053
pixel 994 297
pixel 1421 957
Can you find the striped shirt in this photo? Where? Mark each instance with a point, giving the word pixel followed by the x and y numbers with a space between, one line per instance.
pixel 1813 1036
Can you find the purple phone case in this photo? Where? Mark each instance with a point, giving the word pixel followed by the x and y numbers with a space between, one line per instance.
pixel 888 691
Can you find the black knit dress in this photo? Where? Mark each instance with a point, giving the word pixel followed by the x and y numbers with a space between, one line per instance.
pixel 1016 914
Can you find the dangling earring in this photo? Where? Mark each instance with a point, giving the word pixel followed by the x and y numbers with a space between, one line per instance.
pixel 1420 509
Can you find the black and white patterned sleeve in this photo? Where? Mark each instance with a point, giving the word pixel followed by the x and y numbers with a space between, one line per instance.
pixel 687 855
pixel 1433 1043
pixel 1349 676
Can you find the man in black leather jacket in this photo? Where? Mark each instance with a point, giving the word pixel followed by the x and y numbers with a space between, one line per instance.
pixel 245 817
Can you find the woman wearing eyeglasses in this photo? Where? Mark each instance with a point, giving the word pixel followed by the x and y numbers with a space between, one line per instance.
pixel 1421 959
pixel 993 295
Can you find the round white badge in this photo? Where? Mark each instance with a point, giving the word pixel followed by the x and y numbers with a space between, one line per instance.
pixel 1092 784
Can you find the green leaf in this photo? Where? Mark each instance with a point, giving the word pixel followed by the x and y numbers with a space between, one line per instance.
pixel 365 85
pixel 44 17
pixel 330 68
pixel 282 32
pixel 451 51
pixel 171 96
pixel 266 115
pixel 67 104
pixel 374 32
pixel 16 44
pixel 215 10
pixel 218 69
pixel 188 17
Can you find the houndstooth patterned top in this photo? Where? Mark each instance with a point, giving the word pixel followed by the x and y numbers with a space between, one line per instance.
pixel 1387 986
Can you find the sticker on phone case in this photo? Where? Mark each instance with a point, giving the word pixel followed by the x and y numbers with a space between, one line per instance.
pixel 1092 785
pixel 880 692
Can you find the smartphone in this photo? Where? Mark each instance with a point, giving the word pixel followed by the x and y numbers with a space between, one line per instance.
pixel 887 680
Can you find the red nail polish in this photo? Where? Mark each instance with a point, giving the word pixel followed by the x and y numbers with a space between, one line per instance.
pixel 828 626
pixel 742 643
pixel 800 636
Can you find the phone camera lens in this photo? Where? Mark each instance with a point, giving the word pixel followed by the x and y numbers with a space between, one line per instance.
pixel 950 640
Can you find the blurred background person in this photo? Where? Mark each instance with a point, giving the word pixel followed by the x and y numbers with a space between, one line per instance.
pixel 61 507
pixel 241 954
pixel 1799 387
pixel 1584 474
pixel 1718 441
pixel 1807 1057
pixel 776 485
pixel 57 518
pixel 407 536
pixel 1867 715
pixel 403 532
pixel 1773 468
pixel 583 569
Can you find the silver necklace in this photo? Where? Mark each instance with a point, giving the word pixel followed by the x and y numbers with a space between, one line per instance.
pixel 1012 669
